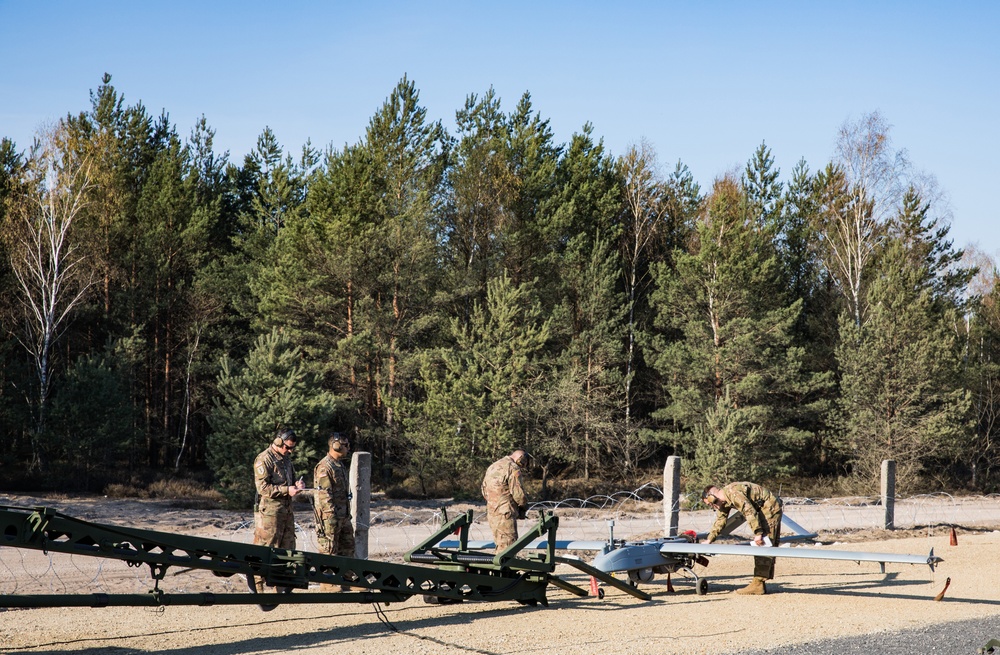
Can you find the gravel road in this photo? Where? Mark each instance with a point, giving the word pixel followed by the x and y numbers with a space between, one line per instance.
pixel 816 606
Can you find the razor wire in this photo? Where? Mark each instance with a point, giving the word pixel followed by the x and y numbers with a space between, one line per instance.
pixel 396 527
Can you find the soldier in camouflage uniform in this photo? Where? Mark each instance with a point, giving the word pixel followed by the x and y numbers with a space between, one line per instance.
pixel 762 511
pixel 274 522
pixel 334 531
pixel 505 499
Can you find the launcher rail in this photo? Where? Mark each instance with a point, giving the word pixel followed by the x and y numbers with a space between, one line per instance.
pixel 448 575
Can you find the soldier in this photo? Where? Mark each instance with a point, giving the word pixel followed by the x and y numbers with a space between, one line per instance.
pixel 505 499
pixel 334 531
pixel 762 511
pixel 274 522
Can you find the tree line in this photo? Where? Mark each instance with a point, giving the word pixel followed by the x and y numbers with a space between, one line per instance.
pixel 446 296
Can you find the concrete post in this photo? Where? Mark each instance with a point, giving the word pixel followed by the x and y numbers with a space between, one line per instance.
pixel 361 501
pixel 671 494
pixel 889 492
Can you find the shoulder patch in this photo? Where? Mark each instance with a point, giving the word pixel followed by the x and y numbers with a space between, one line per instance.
pixel 261 469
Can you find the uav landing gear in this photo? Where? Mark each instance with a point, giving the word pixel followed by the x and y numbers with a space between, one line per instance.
pixel 646 575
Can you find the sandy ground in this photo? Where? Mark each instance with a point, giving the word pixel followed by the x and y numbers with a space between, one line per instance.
pixel 809 600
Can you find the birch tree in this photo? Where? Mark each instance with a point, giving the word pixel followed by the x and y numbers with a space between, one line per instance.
pixel 641 217
pixel 861 193
pixel 50 269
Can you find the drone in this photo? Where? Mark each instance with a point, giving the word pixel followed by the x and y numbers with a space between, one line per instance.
pixel 642 560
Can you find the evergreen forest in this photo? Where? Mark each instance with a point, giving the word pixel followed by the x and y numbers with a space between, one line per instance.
pixel 446 296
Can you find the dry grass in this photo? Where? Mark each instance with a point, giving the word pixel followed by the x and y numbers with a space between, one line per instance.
pixel 186 492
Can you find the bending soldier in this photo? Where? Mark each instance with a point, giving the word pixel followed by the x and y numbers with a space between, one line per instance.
pixel 762 510
pixel 505 498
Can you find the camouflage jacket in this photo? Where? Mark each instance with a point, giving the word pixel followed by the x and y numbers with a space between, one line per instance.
pixel 333 488
pixel 502 487
pixel 273 475
pixel 754 502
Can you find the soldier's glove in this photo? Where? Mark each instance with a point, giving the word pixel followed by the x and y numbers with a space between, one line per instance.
pixel 522 512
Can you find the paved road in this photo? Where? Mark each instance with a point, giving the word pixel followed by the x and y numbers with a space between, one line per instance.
pixel 956 638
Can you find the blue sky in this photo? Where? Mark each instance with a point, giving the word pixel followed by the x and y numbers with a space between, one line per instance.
pixel 703 82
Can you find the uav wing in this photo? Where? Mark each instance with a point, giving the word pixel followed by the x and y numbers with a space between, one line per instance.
pixel 538 544
pixel 790 531
pixel 801 552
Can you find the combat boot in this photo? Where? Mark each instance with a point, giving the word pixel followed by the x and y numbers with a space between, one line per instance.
pixel 755 588
pixel 256 586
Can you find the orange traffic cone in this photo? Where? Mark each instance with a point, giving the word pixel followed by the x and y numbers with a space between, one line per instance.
pixel 594 590
pixel 954 538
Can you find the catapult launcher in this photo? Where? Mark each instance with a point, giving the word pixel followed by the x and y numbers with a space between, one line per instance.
pixel 438 574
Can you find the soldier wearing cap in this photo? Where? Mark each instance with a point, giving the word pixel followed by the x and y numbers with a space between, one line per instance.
pixel 762 510
pixel 505 498
pixel 274 522
pixel 334 531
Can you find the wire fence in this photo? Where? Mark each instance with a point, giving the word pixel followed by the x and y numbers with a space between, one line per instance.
pixel 398 527
pixel 639 514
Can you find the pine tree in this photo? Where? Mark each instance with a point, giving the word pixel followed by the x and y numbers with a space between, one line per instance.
pixel 764 192
pixel 726 444
pixel 482 188
pixel 92 432
pixel 901 396
pixel 723 333
pixel 407 158
pixel 798 250
pixel 476 391
pixel 583 397
pixel 268 392
pixel 274 190
pixel 353 281
pixel 982 378
pixel 534 158
pixel 804 279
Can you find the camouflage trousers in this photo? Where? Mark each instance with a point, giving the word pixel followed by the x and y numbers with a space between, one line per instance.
pixel 337 537
pixel 503 524
pixel 763 567
pixel 276 530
